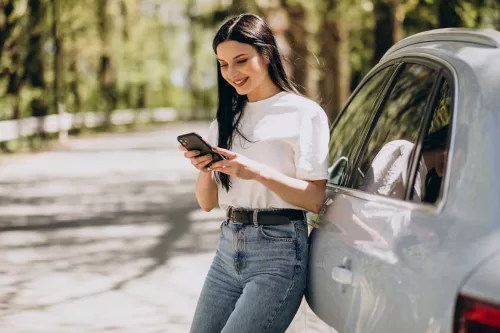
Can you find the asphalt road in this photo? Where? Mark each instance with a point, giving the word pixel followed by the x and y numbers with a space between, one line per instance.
pixel 104 235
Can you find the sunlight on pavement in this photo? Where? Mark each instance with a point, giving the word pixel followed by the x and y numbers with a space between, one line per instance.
pixel 105 237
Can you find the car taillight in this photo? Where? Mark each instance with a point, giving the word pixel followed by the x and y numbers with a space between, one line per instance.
pixel 475 316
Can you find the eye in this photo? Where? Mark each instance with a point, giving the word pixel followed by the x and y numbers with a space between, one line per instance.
pixel 223 65
pixel 242 61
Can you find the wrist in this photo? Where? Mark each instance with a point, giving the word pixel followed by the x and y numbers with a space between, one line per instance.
pixel 262 174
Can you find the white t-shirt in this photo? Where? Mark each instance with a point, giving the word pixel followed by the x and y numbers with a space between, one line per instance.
pixel 287 132
pixel 388 173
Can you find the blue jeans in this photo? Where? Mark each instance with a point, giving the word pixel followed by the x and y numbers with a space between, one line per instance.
pixel 256 281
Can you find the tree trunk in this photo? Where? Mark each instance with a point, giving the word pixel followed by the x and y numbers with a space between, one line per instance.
pixel 74 78
pixel 447 14
pixel 74 84
pixel 6 23
pixel 298 37
pixel 127 90
pixel 195 32
pixel 334 51
pixel 141 96
pixel 105 70
pixel 34 69
pixel 388 27
pixel 33 65
pixel 164 81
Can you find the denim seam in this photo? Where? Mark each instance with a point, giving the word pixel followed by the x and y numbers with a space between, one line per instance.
pixel 280 305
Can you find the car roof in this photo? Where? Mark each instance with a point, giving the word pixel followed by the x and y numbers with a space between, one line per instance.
pixel 482 38
pixel 478 50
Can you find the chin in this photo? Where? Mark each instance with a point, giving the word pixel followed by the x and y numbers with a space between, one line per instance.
pixel 243 90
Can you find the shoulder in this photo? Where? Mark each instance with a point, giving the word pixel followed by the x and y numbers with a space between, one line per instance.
pixel 305 106
pixel 396 149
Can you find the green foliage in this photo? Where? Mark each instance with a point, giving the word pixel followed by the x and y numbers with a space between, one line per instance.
pixel 156 61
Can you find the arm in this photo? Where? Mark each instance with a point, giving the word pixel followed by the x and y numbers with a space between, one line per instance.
pixel 206 191
pixel 305 194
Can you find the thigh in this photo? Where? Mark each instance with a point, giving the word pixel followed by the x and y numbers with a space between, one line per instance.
pixel 274 271
pixel 267 305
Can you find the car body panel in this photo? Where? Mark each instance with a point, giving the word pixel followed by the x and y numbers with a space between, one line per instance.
pixel 484 283
pixel 412 259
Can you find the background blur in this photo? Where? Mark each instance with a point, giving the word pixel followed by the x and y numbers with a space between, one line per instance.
pixel 100 55
pixel 102 232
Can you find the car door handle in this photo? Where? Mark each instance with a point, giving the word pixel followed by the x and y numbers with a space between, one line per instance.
pixel 342 275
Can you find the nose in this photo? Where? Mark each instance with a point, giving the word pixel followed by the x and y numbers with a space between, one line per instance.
pixel 232 73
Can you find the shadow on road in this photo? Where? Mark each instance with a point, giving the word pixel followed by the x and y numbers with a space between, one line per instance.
pixel 65 239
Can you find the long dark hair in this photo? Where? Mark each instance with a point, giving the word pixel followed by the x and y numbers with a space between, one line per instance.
pixel 253 30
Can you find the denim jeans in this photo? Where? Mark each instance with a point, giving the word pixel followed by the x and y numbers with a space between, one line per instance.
pixel 256 281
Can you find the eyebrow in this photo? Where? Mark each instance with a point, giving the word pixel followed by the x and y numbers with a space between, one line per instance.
pixel 239 55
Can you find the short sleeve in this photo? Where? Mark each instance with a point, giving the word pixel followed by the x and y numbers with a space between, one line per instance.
pixel 311 154
pixel 212 135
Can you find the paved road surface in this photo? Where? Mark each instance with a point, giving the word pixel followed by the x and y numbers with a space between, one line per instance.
pixel 104 236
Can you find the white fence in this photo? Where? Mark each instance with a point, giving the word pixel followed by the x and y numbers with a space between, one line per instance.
pixel 13 129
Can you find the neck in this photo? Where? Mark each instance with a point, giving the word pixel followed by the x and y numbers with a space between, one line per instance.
pixel 263 91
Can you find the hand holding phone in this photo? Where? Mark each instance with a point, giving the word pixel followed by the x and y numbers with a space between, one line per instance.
pixel 194 142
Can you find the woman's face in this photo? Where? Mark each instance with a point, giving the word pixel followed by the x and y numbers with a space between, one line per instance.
pixel 243 67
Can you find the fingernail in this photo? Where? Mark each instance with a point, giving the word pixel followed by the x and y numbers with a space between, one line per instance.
pixel 209 157
pixel 197 152
pixel 214 149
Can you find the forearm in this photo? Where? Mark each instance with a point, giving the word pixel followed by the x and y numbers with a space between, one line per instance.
pixel 301 193
pixel 206 191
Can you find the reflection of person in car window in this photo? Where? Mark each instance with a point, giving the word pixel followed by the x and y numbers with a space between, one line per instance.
pixel 434 155
pixel 388 173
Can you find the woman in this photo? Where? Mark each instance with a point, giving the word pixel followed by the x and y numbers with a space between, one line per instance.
pixel 276 148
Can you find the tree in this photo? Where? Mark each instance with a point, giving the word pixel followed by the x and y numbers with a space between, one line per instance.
pixel 298 39
pixel 388 28
pixel 448 15
pixel 195 33
pixel 34 70
pixel 105 72
pixel 333 39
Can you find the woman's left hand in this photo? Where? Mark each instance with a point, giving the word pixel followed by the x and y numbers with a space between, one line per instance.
pixel 236 165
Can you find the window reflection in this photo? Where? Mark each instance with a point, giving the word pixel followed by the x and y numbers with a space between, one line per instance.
pixel 384 166
pixel 435 146
pixel 345 135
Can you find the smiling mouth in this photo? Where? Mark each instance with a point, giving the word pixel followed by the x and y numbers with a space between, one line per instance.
pixel 240 83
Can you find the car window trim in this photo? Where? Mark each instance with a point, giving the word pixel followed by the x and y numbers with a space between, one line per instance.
pixel 361 85
pixel 430 209
pixel 390 75
pixel 447 72
pixel 422 132
pixel 375 111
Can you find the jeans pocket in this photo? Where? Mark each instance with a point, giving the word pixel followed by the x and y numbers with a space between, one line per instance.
pixel 282 232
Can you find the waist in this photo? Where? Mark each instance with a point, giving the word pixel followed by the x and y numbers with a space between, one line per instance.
pixel 264 216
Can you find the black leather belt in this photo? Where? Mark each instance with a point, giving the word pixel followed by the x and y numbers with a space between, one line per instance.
pixel 264 217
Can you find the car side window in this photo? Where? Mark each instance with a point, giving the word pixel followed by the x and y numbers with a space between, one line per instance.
pixel 434 155
pixel 345 134
pixel 384 166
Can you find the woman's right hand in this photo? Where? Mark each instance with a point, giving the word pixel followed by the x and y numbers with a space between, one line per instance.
pixel 199 162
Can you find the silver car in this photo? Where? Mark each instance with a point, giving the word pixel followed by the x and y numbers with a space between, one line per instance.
pixel 409 237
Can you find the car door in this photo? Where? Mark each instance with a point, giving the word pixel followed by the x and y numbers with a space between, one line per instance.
pixel 392 179
pixel 334 259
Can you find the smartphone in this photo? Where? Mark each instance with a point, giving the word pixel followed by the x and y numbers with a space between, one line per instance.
pixel 192 141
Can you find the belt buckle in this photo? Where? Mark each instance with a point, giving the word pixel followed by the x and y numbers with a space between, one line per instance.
pixel 231 217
